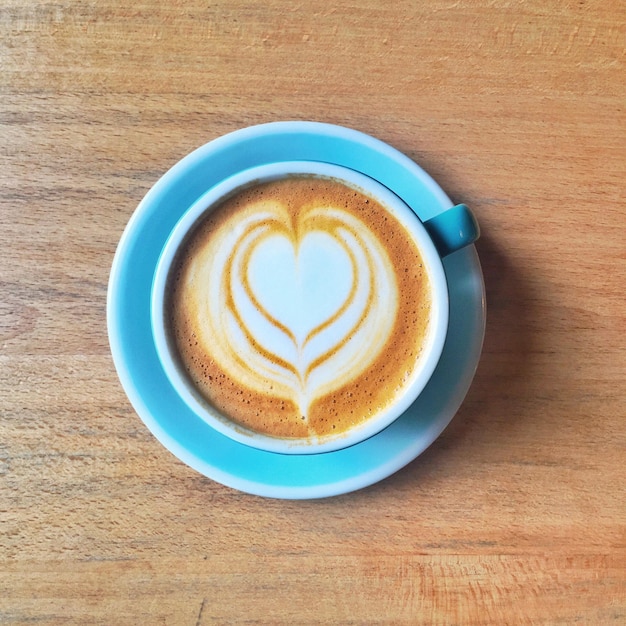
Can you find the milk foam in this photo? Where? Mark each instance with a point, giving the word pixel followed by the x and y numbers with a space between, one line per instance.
pixel 297 309
pixel 294 306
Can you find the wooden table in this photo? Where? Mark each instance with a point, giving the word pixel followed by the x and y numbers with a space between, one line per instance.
pixel 516 515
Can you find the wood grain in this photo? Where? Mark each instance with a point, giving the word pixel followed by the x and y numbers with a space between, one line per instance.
pixel 516 515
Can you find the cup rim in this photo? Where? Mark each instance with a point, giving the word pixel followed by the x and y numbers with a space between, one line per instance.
pixel 264 173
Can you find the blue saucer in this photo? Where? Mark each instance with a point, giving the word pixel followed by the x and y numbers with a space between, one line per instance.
pixel 191 439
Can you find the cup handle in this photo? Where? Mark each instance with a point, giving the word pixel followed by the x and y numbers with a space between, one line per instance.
pixel 453 229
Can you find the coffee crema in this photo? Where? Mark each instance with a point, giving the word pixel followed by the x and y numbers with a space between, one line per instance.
pixel 299 308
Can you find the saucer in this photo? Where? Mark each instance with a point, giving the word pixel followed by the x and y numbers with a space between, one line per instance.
pixel 191 439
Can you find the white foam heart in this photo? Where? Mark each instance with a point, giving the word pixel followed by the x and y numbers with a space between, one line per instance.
pixel 296 315
pixel 300 286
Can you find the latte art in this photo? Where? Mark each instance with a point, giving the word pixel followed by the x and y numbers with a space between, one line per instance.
pixel 290 307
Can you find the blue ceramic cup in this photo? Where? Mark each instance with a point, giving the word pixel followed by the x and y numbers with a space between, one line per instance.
pixel 435 238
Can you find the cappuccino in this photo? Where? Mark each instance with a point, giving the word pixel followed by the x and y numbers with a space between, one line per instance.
pixel 299 308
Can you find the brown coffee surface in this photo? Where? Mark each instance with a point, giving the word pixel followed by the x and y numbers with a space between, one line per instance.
pixel 253 387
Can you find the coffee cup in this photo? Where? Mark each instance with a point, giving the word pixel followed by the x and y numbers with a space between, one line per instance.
pixel 301 307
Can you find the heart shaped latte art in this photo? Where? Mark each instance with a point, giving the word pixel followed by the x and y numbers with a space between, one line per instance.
pixel 295 307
